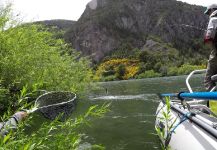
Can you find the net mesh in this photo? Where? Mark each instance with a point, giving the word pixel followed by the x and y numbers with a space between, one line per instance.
pixel 54 104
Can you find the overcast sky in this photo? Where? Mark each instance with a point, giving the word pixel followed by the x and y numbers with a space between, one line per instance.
pixel 32 10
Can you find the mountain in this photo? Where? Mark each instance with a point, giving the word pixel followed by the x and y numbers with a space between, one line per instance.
pixel 107 25
pixel 60 24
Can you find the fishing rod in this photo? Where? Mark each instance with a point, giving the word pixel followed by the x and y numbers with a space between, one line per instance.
pixel 187 26
pixel 190 26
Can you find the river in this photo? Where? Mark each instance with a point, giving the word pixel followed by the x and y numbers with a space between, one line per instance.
pixel 129 125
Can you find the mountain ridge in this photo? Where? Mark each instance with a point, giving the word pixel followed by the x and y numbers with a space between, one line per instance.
pixel 60 24
pixel 106 24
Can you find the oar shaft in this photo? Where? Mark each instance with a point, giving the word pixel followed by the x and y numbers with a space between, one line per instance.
pixel 200 95
pixel 194 95
pixel 170 95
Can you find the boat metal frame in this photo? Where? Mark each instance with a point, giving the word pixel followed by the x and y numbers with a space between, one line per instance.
pixel 190 75
pixel 199 101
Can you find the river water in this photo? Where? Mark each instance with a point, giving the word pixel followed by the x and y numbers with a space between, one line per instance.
pixel 129 125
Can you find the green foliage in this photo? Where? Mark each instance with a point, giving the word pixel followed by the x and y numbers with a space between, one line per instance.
pixel 186 68
pixel 32 59
pixel 31 56
pixel 121 71
pixel 3 95
pixel 125 50
pixel 158 60
pixel 5 15
pixel 183 70
pixel 109 78
pixel 198 46
pixel 162 60
pixel 109 71
pixel 213 106
pixel 173 71
pixel 166 118
pixel 149 58
pixel 155 38
pixel 53 135
pixel 148 74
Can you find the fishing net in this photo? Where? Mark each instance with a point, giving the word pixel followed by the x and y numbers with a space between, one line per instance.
pixel 54 104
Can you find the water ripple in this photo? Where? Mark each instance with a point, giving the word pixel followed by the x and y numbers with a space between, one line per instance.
pixel 152 97
pixel 132 116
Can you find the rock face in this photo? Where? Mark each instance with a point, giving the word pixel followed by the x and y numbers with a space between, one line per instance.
pixel 106 24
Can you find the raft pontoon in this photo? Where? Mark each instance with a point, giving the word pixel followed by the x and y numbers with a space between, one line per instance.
pixel 185 122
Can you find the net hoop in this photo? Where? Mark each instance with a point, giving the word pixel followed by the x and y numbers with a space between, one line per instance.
pixel 55 103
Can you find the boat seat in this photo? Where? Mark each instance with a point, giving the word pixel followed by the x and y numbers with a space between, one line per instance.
pixel 214 78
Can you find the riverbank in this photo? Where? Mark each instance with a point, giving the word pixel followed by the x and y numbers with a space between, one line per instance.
pixel 124 69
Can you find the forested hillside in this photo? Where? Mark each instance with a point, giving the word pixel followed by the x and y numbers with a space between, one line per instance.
pixel 161 35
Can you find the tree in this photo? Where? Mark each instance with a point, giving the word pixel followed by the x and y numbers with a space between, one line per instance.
pixel 121 71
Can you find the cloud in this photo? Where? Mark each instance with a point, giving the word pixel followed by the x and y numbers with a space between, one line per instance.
pixel 63 9
pixel 200 2
pixel 50 9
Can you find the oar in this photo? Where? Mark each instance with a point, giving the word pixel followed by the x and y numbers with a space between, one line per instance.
pixel 194 95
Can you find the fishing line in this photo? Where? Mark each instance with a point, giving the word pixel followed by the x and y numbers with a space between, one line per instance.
pixel 186 26
pixel 189 26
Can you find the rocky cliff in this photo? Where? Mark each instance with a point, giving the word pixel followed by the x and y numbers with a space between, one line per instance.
pixel 106 24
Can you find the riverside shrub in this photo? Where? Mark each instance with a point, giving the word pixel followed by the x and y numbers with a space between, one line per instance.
pixel 29 54
pixel 55 134
pixel 148 74
pixel 31 57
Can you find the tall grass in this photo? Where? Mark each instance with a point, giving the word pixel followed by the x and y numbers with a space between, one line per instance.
pixel 213 106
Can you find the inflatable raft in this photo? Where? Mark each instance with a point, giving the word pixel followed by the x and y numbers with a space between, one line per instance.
pixel 185 122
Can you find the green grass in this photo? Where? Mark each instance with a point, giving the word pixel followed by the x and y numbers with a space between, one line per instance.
pixel 213 106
